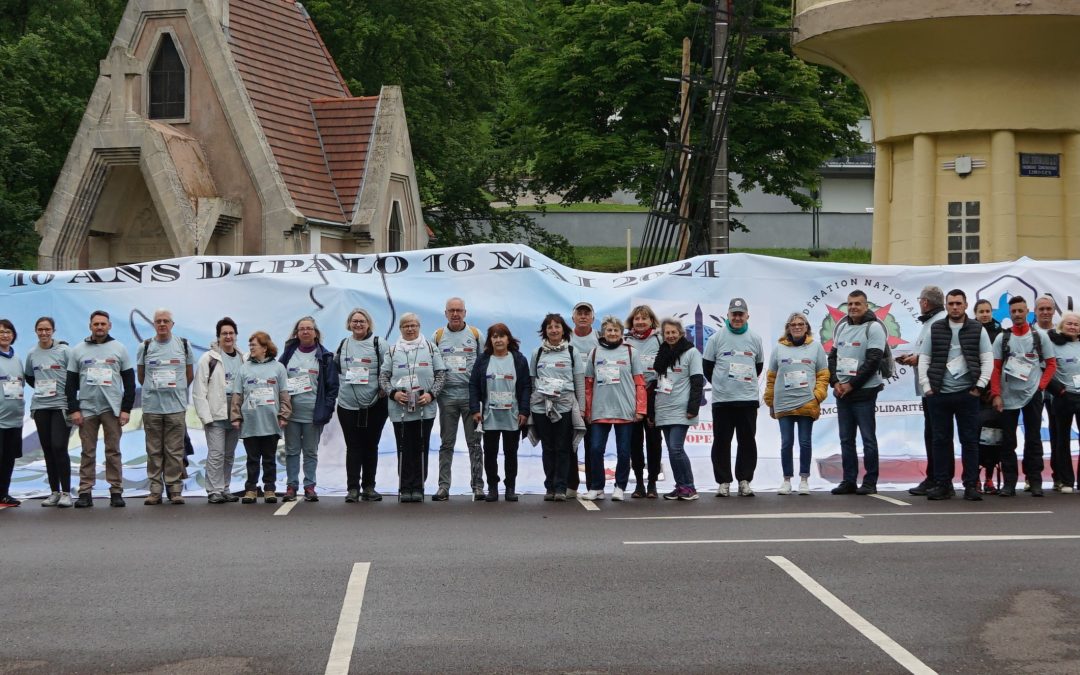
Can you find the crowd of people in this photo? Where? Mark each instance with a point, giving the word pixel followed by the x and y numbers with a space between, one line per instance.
pixel 641 381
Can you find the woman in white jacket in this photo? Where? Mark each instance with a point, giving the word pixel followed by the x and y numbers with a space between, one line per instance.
pixel 216 380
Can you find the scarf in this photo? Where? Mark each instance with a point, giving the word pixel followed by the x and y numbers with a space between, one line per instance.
pixel 407 346
pixel 923 318
pixel 548 347
pixel 641 336
pixel 797 343
pixel 609 345
pixel 739 331
pixel 668 355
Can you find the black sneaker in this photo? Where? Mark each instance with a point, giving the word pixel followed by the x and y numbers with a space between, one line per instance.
pixel 971 494
pixel 352 496
pixel 673 495
pixel 369 495
pixel 921 489
pixel 492 495
pixel 1036 490
pixel 866 489
pixel 84 501
pixel 8 500
pixel 938 492
pixel 117 500
pixel 511 496
pixel 1007 491
pixel 844 488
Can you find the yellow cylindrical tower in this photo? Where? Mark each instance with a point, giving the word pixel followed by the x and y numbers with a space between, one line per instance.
pixel 976 108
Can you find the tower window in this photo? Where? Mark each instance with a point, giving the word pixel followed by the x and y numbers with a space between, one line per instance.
pixel 167 82
pixel 963 233
pixel 395 240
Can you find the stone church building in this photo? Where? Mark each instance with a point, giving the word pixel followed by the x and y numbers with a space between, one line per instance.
pixel 223 127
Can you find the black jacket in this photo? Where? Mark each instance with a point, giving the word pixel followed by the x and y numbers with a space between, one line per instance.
pixel 326 394
pixel 478 382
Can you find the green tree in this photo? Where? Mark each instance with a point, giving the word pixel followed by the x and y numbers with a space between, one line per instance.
pixel 449 56
pixel 593 111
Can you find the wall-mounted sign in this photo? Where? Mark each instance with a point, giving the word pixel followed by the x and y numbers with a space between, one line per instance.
pixel 1036 164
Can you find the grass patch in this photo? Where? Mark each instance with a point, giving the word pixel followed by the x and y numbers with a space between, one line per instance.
pixel 613 258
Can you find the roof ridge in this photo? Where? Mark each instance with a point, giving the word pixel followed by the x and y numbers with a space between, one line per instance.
pixel 326 160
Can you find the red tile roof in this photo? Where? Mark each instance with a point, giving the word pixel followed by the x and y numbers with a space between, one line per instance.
pixel 297 90
pixel 345 126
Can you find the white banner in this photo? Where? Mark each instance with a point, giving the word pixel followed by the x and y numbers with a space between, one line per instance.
pixel 517 286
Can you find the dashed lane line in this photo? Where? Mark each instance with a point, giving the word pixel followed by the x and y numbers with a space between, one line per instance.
pixel 348 621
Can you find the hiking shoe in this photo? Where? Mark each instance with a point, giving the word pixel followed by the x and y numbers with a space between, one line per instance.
pixel 1036 490
pixel 84 501
pixel 1007 491
pixel 971 494
pixel 639 492
pixel 290 494
pixel 441 495
pixel 785 487
pixel 52 500
pixel 938 493
pixel 804 486
pixel 511 496
pixel 174 498
pixel 65 501
pixel 921 489
pixel 117 500
pixel 844 488
pixel 724 490
pixel 370 495
pixel 744 489
pixel 617 494
pixel 215 498
pixel 673 495
pixel 270 496
pixel 309 494
pixel 152 499
pixel 478 494
pixel 229 497
pixel 352 496
pixel 871 489
pixel 493 495
pixel 688 495
pixel 249 497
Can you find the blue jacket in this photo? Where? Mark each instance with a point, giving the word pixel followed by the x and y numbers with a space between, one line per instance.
pixel 326 396
pixel 478 382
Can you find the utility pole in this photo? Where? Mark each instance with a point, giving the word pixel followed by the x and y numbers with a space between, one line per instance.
pixel 719 216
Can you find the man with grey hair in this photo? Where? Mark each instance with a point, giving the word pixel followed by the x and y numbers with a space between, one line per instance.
pixel 458 344
pixel 932 308
pixel 1044 323
pixel 165 371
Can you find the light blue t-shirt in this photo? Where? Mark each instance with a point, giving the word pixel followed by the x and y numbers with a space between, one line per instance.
pixel 48 367
pixel 99 367
pixel 1068 365
pixel 413 370
pixel 555 375
pixel 796 369
pixel 1021 372
pixel 12 404
pixel 458 350
pixel 165 383
pixel 614 393
pixel 673 390
pixel 736 358
pixel 232 365
pixel 501 408
pixel 261 385
pixel 359 364
pixel 303 383
pixel 646 352
pixel 852 341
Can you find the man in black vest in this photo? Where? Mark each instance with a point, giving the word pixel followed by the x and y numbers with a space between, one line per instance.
pixel 955 366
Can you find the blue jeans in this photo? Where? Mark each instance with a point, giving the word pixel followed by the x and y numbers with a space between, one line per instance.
pixel 301 437
pixel 598 434
pixel 965 408
pixel 674 438
pixel 858 415
pixel 787 442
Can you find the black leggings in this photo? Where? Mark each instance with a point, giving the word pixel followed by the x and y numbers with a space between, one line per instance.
pixel 412 447
pixel 10 450
pixel 53 433
pixel 510 440
pixel 362 430
pixel 261 449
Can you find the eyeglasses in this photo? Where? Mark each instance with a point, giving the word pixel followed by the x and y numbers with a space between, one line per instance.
pixel 410 325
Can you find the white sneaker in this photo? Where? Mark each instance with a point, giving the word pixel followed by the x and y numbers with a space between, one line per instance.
pixel 589 496
pixel 65 500
pixel 724 490
pixel 785 487
pixel 52 499
pixel 599 495
pixel 744 489
pixel 1066 490
pixel 804 486
pixel 571 494
pixel 617 494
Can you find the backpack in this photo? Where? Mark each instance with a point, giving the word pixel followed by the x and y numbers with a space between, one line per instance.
pixel 887 365
pixel 378 354
pixel 1036 340
pixel 187 350
pixel 472 329
pixel 540 350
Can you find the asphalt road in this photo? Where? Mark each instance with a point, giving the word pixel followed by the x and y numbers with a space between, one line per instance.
pixel 641 586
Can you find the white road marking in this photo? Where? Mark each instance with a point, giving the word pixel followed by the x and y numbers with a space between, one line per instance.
pixel 671 542
pixel 902 656
pixel 955 513
pixel 949 538
pixel 348 621
pixel 891 500
pixel 284 509
pixel 867 539
pixel 750 516
pixel 589 506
